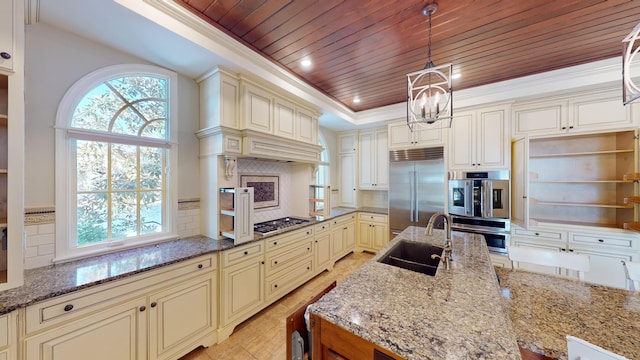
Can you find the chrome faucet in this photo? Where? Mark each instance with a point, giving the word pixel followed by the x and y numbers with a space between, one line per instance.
pixel 446 257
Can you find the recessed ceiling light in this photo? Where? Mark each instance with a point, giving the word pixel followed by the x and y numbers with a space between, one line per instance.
pixel 356 100
pixel 305 62
pixel 456 76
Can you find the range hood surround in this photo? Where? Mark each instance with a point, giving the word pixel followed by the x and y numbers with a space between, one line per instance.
pixel 222 140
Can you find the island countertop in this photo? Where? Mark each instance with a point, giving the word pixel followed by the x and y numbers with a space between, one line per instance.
pixel 456 314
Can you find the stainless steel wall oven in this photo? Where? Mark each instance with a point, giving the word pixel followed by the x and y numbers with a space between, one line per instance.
pixel 479 204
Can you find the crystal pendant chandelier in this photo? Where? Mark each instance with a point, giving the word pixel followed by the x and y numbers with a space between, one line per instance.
pixel 429 93
pixel 630 48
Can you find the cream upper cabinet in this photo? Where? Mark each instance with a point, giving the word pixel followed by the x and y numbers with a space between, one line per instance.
pixel 7 49
pixel 580 113
pixel 373 160
pixel 427 135
pixel 348 170
pixel 219 99
pixel 285 115
pixel 479 139
pixel 306 126
pixel 257 109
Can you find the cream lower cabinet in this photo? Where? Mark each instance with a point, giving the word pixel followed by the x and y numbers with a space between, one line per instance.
pixel 242 275
pixel 322 247
pixel 163 314
pixel 343 236
pixel 605 251
pixel 8 336
pixel 373 231
pixel 118 332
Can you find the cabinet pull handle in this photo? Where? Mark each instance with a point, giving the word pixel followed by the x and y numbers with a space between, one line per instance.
pixel 143 308
pixel 68 307
pixel 200 266
pixel 154 304
pixel 571 127
pixel 5 55
pixel 601 240
pixel 246 253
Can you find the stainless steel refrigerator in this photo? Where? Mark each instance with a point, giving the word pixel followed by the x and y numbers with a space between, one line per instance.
pixel 417 187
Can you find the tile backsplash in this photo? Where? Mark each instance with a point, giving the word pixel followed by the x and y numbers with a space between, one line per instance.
pixel 265 167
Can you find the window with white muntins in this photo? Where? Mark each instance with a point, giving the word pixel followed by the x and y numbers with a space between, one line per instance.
pixel 116 134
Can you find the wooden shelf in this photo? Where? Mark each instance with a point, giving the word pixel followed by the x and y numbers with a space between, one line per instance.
pixel 594 205
pixel 632 226
pixel 537 221
pixel 229 212
pixel 315 213
pixel 316 200
pixel 614 181
pixel 583 153
pixel 632 177
pixel 228 234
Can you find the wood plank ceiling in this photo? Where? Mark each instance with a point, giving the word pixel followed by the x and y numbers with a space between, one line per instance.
pixel 365 49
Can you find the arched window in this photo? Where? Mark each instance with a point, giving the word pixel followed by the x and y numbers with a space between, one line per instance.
pixel 115 146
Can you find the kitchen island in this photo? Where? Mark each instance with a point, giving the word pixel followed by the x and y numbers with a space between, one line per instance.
pixel 456 314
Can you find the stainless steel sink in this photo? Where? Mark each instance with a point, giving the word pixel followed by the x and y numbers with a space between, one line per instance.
pixel 414 256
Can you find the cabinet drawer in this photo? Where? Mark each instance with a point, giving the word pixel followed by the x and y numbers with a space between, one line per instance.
pixel 339 221
pixel 373 217
pixel 319 228
pixel 84 302
pixel 281 241
pixel 594 239
pixel 239 254
pixel 295 275
pixel 542 234
pixel 278 260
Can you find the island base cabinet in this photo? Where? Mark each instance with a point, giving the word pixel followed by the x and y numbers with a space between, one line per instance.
pixel 333 342
pixel 117 333
pixel 182 318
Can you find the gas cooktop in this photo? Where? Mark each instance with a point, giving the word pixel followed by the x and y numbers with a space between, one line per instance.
pixel 272 226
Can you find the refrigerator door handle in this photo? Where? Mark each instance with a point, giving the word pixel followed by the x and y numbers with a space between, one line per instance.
pixel 415 193
pixel 411 196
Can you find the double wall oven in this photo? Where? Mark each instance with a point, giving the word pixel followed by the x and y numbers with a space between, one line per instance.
pixel 479 204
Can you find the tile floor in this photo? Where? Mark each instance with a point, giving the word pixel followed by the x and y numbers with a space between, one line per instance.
pixel 263 337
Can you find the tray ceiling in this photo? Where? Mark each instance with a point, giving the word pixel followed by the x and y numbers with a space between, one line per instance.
pixel 364 49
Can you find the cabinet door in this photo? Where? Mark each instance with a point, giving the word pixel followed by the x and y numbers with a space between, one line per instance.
pixel 347 143
pixel 307 127
pixel 539 119
pixel 462 142
pixel 116 333
pixel 380 236
pixel 349 236
pixel 428 135
pixel 322 251
pixel 337 242
pixel 257 109
pixel 602 111
pixel 367 157
pixel 6 33
pixel 492 140
pixel 347 189
pixel 365 235
pixel 400 136
pixel 284 119
pixel 606 267
pixel 181 315
pixel 381 160
pixel 242 290
pixel 520 182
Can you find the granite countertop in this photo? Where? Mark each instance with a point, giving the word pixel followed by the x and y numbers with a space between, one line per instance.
pixel 544 309
pixel 456 314
pixel 46 282
pixel 49 281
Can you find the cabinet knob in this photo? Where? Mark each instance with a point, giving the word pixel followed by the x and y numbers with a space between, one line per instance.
pixel 308 267
pixel 5 55
pixel 246 190
pixel 570 250
pixel 246 253
pixel 571 127
pixel 276 262
pixel 316 241
pixel 154 304
pixel 262 262
pixel 601 240
pixel 564 128
pixel 275 243
pixel 563 249
pixel 308 249
pixel 537 234
pixel 308 233
pixel 68 307
pixel 143 308
pixel 275 286
pixel 200 266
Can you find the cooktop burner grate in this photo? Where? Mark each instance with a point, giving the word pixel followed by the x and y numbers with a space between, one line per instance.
pixel 278 224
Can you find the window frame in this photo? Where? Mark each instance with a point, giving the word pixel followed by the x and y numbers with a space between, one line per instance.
pixel 65 169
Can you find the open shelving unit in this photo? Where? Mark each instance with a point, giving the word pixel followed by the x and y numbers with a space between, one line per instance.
pixel 236 214
pixel 581 179
pixel 319 200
